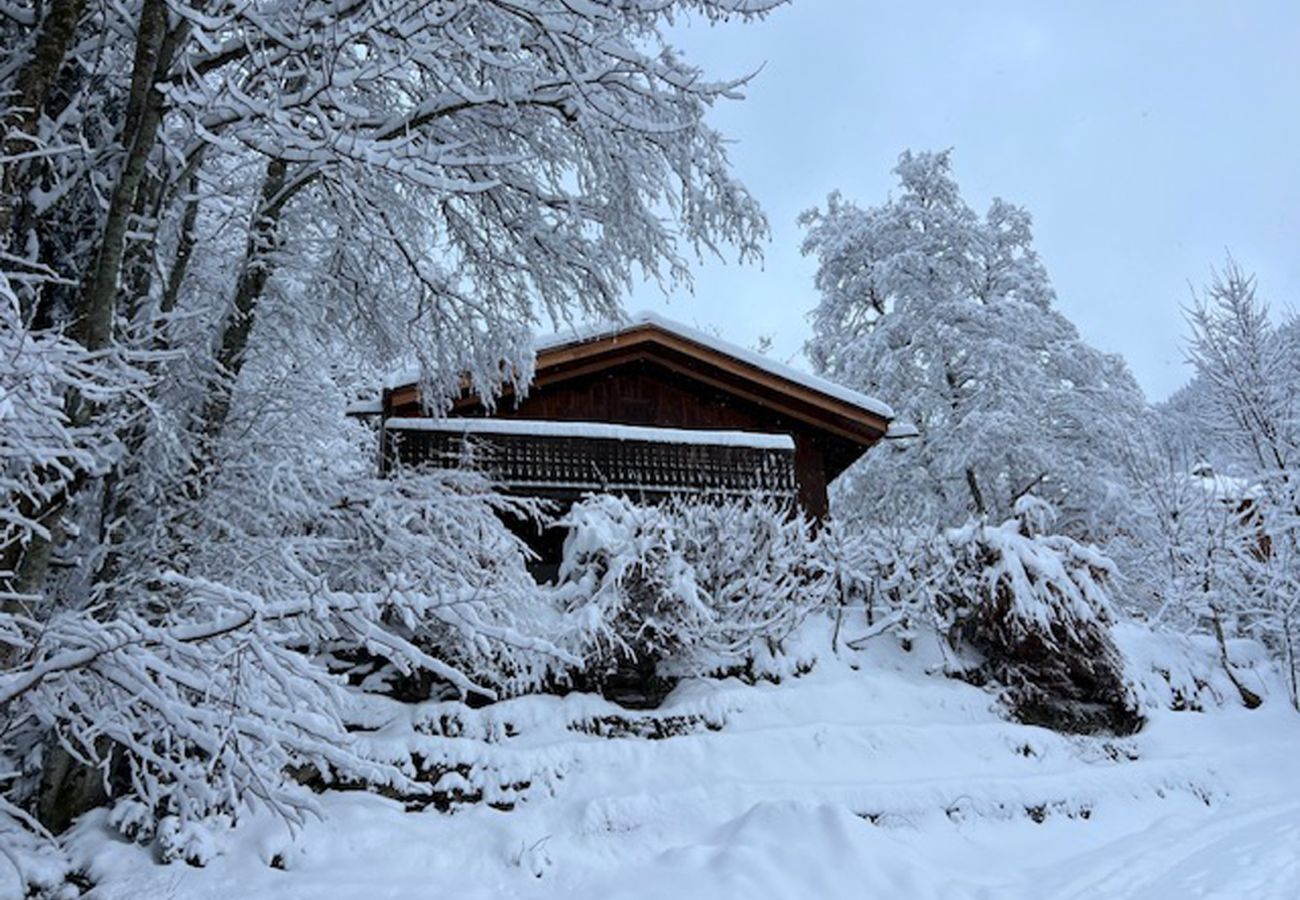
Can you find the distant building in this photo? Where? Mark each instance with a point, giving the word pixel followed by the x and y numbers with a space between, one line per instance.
pixel 1239 497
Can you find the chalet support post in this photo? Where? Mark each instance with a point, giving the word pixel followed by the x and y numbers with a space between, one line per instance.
pixel 810 476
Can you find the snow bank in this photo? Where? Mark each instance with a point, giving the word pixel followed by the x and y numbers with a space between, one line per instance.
pixel 1183 672
pixel 866 777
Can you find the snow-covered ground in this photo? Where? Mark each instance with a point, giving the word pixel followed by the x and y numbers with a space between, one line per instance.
pixel 863 778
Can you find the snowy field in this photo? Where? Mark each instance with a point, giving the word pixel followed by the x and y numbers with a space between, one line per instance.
pixel 864 778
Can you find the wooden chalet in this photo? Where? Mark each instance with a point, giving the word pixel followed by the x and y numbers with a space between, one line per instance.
pixel 648 408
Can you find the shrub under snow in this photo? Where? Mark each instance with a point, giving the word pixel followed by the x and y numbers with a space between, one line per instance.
pixel 1025 610
pixel 209 696
pixel 1036 609
pixel 680 589
pixel 227 690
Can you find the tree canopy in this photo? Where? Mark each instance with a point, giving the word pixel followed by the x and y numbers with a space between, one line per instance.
pixel 951 315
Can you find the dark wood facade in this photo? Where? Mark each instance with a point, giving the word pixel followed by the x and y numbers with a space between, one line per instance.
pixel 655 373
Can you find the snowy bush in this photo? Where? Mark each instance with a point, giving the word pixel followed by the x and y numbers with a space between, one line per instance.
pixel 1035 609
pixel 880 572
pixel 1021 609
pixel 453 581
pixel 207 697
pixel 685 588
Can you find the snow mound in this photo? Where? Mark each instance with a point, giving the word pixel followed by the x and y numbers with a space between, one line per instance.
pixel 1182 672
pixel 865 777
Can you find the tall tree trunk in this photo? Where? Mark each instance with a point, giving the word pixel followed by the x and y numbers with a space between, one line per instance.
pixel 1292 664
pixel 116 504
pixel 972 482
pixel 258 266
pixel 184 248
pixel 32 91
pixel 140 257
pixel 976 495
pixel 155 48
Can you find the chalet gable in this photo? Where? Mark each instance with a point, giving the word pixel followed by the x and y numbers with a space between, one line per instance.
pixel 651 372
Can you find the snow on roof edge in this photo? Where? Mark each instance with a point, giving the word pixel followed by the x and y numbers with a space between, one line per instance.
pixel 899 430
pixel 371 406
pixel 596 430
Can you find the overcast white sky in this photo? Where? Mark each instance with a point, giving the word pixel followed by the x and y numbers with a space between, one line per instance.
pixel 1146 138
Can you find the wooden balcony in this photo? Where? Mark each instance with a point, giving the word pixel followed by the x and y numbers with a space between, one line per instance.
pixel 564 460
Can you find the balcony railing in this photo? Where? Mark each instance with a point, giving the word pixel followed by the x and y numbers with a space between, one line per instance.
pixel 563 458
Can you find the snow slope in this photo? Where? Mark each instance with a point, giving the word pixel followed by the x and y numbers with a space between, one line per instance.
pixel 874 781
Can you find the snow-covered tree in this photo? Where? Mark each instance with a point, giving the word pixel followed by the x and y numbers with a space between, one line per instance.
pixel 206 221
pixel 455 171
pixel 1211 544
pixel 1249 371
pixel 950 315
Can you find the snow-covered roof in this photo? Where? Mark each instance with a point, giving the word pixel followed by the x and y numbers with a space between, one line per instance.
pixel 594 430
pixel 570 336
pixel 372 406
pixel 567 337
